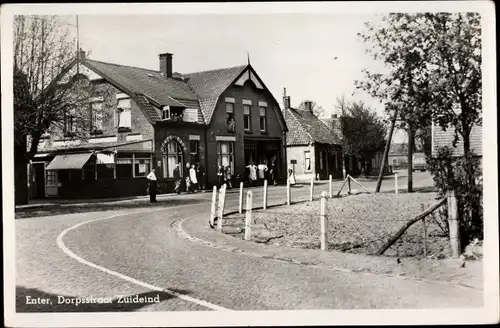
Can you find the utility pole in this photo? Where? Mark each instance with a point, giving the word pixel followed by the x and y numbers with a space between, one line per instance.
pixel 386 151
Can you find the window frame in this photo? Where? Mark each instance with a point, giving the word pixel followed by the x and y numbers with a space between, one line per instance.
pixel 166 109
pixel 179 154
pixel 307 157
pixel 230 115
pixel 229 154
pixel 263 117
pixel 94 116
pixel 247 116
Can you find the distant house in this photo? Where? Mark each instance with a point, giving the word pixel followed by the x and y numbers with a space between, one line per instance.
pixel 398 155
pixel 442 138
pixel 312 148
pixel 353 166
pixel 159 119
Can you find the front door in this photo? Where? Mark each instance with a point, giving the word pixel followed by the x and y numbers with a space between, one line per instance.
pixel 51 181
pixel 39 179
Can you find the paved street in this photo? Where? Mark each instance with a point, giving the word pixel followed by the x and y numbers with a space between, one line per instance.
pixel 139 252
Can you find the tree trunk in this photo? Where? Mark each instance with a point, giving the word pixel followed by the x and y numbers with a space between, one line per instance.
pixel 20 175
pixel 411 143
pixel 386 152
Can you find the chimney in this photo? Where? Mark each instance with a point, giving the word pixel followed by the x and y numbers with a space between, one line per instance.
pixel 166 65
pixel 287 102
pixel 308 105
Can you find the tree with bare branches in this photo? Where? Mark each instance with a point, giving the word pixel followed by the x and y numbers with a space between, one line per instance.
pixel 43 101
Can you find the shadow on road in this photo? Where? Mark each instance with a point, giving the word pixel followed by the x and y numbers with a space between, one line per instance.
pixel 59 209
pixel 58 304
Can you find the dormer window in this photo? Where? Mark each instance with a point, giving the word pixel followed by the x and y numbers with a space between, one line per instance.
pixel 123 113
pixel 165 113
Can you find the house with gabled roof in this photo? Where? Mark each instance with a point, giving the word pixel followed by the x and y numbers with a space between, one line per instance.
pixel 313 149
pixel 155 120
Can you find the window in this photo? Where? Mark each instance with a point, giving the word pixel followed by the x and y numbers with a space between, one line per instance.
pixel 165 113
pixel 124 168
pixel 246 118
pixel 307 160
pixel 262 118
pixel 171 158
pixel 97 116
pixel 69 124
pixel 225 154
pixel 142 165
pixel 50 177
pixel 194 146
pixel 123 114
pixel 230 117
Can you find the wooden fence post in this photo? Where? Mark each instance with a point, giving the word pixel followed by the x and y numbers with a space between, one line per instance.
pixel 453 223
pixel 348 184
pixel 330 186
pixel 288 192
pixel 324 223
pixel 222 199
pixel 264 205
pixel 213 209
pixel 312 189
pixel 248 217
pixel 395 183
pixel 241 198
pixel 425 231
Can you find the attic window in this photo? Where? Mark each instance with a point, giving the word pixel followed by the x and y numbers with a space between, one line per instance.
pixel 165 113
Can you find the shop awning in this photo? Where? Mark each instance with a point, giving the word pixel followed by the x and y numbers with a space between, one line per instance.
pixel 105 159
pixel 69 161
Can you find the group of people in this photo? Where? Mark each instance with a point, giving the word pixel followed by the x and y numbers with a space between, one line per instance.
pixel 259 173
pixel 194 178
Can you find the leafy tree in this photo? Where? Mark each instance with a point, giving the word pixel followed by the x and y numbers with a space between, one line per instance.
pixel 363 133
pixel 317 110
pixel 433 66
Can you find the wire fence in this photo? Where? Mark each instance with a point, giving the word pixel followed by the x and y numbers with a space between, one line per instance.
pixel 360 223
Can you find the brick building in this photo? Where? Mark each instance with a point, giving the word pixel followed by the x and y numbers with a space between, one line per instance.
pixel 313 149
pixel 155 120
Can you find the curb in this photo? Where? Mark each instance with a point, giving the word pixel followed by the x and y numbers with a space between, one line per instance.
pixel 178 227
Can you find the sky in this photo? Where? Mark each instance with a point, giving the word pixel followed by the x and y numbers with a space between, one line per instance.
pixel 315 56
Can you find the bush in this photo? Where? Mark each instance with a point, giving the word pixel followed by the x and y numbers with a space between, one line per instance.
pixel 464 175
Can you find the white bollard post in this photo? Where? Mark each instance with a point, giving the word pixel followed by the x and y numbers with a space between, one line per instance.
pixel 312 189
pixel 324 223
pixel 222 199
pixel 395 183
pixel 241 198
pixel 288 192
pixel 453 224
pixel 264 205
pixel 248 217
pixel 330 186
pixel 213 209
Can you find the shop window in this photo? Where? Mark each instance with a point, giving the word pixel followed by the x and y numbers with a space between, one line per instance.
pixel 172 157
pixel 194 151
pixel 231 124
pixel 307 160
pixel 225 154
pixel 247 118
pixel 262 118
pixel 142 164
pixel 124 168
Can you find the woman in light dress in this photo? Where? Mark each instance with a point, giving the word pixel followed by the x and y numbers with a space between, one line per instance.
pixel 253 172
pixel 291 175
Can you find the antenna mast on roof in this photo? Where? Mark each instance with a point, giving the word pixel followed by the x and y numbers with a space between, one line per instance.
pixel 77 46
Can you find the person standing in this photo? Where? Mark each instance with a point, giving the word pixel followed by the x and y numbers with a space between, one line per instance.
pixel 262 171
pixel 194 180
pixel 253 173
pixel 188 179
pixel 220 176
pixel 152 186
pixel 177 179
pixel 228 177
pixel 200 176
pixel 272 174
pixel 291 175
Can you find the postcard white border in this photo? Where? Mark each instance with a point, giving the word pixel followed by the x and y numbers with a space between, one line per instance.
pixel 488 314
